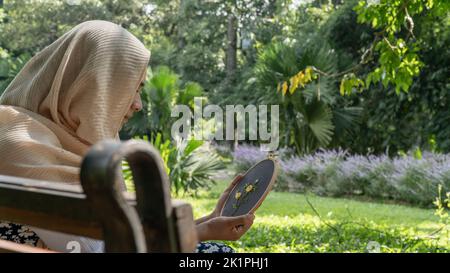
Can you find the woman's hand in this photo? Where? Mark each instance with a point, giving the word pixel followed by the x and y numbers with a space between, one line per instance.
pixel 223 198
pixel 216 227
pixel 221 202
pixel 224 228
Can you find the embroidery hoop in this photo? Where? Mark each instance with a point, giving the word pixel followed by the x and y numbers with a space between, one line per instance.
pixel 266 191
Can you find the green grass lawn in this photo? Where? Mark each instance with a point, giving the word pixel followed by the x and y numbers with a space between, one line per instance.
pixel 286 222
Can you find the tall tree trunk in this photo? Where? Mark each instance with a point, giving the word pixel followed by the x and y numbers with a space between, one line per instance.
pixel 231 64
pixel 178 27
pixel 231 57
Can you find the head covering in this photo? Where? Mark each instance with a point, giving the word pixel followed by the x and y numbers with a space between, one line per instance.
pixel 72 94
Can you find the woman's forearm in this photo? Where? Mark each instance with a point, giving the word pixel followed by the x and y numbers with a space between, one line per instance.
pixel 203 232
pixel 203 219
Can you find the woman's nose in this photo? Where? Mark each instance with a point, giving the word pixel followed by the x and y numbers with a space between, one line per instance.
pixel 137 104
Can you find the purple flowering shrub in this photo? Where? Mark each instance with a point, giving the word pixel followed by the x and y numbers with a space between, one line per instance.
pixel 338 173
pixel 244 156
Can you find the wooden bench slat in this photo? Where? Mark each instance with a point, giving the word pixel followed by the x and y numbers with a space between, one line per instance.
pixel 52 209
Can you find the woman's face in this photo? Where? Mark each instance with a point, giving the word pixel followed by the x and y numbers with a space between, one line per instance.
pixel 136 106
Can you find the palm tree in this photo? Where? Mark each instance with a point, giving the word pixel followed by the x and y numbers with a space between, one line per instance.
pixel 310 117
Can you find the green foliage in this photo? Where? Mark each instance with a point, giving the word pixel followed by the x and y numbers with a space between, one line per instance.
pixel 189 164
pixel 350 83
pixel 10 67
pixel 395 41
pixel 194 36
pixel 160 94
pixel 31 25
pixel 298 80
pixel 192 169
pixel 442 209
pixel 28 26
pixel 393 123
pixel 284 67
pixel 127 176
pixel 390 122
pixel 165 148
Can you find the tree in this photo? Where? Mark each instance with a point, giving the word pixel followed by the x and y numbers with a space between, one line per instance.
pixel 395 42
pixel 27 26
pixel 394 122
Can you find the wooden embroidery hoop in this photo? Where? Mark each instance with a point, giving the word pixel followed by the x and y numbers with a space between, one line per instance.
pixel 268 188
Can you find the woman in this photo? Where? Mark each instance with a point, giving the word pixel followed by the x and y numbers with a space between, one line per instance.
pixel 79 90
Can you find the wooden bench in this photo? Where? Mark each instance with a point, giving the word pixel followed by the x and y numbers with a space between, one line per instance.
pixel 147 221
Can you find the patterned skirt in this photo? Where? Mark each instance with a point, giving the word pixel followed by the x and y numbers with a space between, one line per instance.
pixel 19 234
pixel 212 247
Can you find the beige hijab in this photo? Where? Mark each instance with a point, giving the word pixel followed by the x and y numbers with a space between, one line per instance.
pixel 72 94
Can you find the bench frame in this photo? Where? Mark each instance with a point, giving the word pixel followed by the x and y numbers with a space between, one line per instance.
pixel 148 221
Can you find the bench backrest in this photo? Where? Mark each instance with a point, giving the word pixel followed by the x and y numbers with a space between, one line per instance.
pixel 147 221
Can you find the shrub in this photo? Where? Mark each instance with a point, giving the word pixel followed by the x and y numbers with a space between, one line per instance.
pixel 189 164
